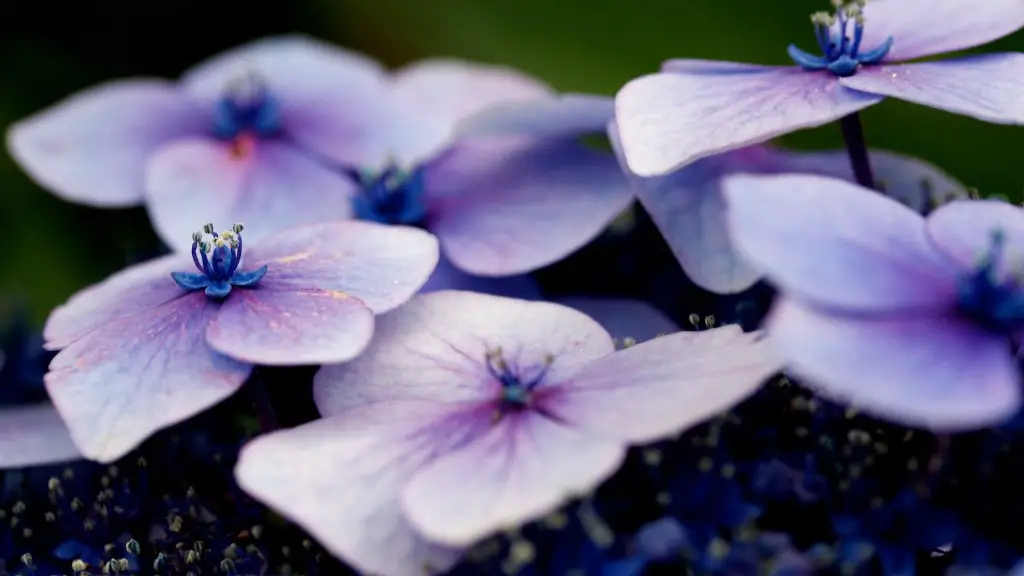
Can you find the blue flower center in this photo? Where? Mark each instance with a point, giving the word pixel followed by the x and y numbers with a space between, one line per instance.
pixel 839 36
pixel 516 387
pixel 217 262
pixel 990 297
pixel 247 111
pixel 393 196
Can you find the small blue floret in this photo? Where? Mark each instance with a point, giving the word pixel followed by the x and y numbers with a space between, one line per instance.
pixel 516 391
pixel 218 272
pixel 391 197
pixel 247 108
pixel 987 297
pixel 841 53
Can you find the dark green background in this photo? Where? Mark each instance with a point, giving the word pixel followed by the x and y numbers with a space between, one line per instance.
pixel 47 50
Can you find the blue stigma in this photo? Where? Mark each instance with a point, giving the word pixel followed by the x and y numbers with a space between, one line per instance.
pixel 840 50
pixel 218 272
pixel 392 197
pixel 246 109
pixel 516 391
pixel 990 298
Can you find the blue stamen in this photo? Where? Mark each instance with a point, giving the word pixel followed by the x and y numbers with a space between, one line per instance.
pixel 218 273
pixel 516 391
pixel 393 196
pixel 247 107
pixel 840 50
pixel 991 298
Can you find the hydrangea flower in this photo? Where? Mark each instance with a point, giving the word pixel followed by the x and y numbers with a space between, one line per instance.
pixel 469 413
pixel 155 344
pixel 239 137
pixel 688 207
pixel 908 318
pixel 696 108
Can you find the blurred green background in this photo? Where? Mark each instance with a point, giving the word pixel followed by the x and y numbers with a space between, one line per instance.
pixel 50 249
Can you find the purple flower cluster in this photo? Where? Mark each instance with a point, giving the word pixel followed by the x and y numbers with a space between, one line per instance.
pixel 398 229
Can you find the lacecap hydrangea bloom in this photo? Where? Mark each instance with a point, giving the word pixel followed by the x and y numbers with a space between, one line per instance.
pixel 287 131
pixel 909 318
pixel 696 108
pixel 469 413
pixel 157 343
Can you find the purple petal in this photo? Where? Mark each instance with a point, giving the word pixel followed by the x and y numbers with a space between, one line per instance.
pixel 987 87
pixel 669 120
pixel 836 243
pixel 33 436
pixel 666 385
pixel 512 208
pixel 333 101
pixel 522 467
pixel 341 478
pixel 132 377
pixel 434 348
pixel 447 277
pixel 564 115
pixel 92 147
pixel 383 266
pixel 932 371
pixel 131 292
pixel 624 318
pixel 925 27
pixel 272 188
pixel 699 66
pixel 291 327
pixel 963 230
pixel 436 94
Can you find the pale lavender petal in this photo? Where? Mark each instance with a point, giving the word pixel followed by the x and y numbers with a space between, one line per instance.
pixel 564 115
pixel 522 206
pixel 669 120
pixel 33 436
pixel 624 318
pixel 291 327
pixel 341 478
pixel 933 371
pixel 688 206
pixel 137 375
pixel 963 230
pixel 333 101
pixel 447 277
pixel 524 466
pixel 272 187
pixel 836 243
pixel 434 348
pixel 987 87
pixel 700 66
pixel 666 385
pixel 382 266
pixel 130 292
pixel 925 27
pixel 92 147
pixel 434 95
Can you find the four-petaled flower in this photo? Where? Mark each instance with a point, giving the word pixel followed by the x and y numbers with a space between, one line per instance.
pixel 152 345
pixel 697 108
pixel 911 318
pixel 469 413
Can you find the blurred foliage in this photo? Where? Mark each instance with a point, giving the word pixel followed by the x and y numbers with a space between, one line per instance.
pixel 51 248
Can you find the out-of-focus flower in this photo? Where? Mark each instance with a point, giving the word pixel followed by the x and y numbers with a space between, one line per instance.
pixel 696 108
pixel 911 319
pixel 153 345
pixel 469 413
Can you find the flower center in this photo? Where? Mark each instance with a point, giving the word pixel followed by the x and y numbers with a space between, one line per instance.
pixel 991 297
pixel 839 36
pixel 394 196
pixel 245 113
pixel 217 262
pixel 516 387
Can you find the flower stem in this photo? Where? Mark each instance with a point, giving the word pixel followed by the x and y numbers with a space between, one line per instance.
pixel 857 148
